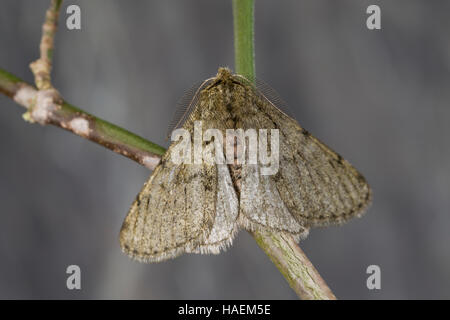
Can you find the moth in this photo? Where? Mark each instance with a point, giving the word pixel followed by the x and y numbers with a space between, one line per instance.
pixel 198 208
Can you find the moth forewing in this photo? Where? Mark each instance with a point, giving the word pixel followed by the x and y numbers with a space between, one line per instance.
pixel 173 213
pixel 186 105
pixel 318 185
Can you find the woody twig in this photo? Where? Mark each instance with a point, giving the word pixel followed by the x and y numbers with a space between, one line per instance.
pixel 42 67
pixel 43 108
pixel 46 106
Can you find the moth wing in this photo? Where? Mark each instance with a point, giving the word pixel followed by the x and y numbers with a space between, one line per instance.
pixel 186 105
pixel 212 111
pixel 261 205
pixel 184 207
pixel 172 214
pixel 225 224
pixel 315 184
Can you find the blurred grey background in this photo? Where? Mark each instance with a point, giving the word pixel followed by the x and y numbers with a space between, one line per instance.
pixel 380 98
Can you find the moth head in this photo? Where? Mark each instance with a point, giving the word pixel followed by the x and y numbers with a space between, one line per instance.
pixel 224 74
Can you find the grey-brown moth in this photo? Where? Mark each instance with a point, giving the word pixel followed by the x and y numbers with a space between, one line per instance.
pixel 199 207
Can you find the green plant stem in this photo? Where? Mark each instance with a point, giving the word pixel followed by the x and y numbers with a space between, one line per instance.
pixel 244 54
pixel 280 247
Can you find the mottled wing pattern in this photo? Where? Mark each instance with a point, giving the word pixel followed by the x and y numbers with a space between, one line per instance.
pixel 315 184
pixel 261 205
pixel 212 111
pixel 172 214
pixel 184 207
